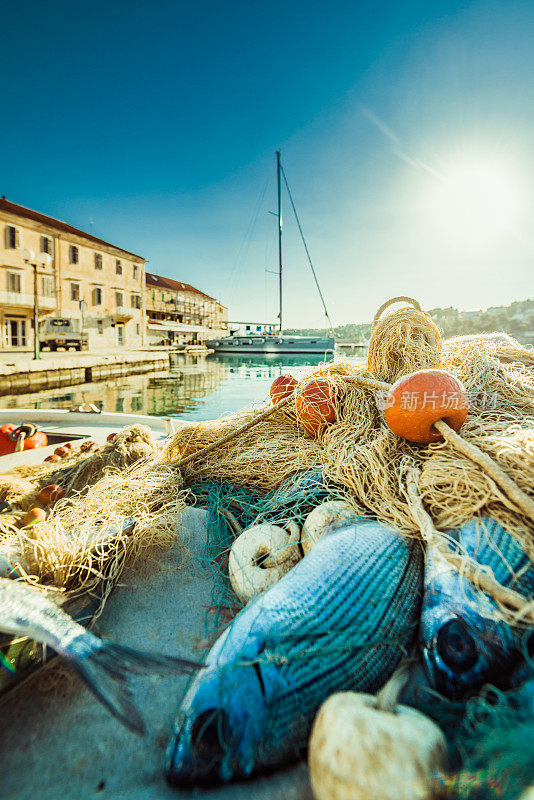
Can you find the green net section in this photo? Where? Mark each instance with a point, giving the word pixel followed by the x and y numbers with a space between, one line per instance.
pixel 232 509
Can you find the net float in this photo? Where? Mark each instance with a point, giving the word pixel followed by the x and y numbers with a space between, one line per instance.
pixel 87 445
pixel 282 387
pixel 50 494
pixel 418 400
pixel 260 556
pixel 53 457
pixel 110 437
pixel 31 438
pixel 325 518
pixel 33 517
pixel 62 451
pixel 315 405
pixel 359 751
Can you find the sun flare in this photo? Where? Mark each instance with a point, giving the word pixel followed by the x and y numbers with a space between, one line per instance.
pixel 476 202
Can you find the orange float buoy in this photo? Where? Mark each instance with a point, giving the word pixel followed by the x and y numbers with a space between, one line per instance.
pixel 33 517
pixel 282 387
pixel 9 435
pixel 51 494
pixel 316 405
pixel 416 401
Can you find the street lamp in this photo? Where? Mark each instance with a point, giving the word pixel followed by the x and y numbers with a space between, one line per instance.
pixel 44 260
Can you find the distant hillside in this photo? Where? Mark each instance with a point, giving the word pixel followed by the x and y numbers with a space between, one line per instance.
pixel 516 319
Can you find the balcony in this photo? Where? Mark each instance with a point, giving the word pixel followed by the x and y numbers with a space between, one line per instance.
pixel 122 313
pixel 21 300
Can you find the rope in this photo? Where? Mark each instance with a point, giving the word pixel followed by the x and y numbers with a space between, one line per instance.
pixel 507 598
pixel 401 299
pixel 523 502
pixel 307 251
pixel 242 428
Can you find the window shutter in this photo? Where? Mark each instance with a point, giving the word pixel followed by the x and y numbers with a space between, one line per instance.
pixel 18 238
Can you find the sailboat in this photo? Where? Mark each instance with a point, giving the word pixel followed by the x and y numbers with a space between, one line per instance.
pixel 263 338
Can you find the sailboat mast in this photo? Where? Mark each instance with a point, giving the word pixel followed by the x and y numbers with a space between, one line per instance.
pixel 279 184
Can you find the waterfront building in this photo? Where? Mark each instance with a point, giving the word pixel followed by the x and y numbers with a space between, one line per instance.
pixel 178 313
pixel 90 280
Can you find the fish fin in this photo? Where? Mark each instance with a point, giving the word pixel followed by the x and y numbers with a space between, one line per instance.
pixel 106 671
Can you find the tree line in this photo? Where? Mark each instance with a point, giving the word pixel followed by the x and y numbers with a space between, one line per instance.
pixel 516 319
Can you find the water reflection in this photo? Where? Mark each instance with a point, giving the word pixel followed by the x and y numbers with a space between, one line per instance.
pixel 196 387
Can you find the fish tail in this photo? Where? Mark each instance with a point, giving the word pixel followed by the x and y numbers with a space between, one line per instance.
pixel 106 671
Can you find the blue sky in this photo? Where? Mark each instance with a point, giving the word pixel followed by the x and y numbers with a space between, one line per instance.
pixel 159 121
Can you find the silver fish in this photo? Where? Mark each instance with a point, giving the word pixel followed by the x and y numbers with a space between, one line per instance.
pixel 340 620
pixel 463 641
pixel 29 612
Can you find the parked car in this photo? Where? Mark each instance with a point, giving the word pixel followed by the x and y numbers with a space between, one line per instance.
pixel 63 332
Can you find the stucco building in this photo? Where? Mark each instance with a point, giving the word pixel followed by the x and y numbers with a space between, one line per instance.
pixel 178 313
pixel 88 279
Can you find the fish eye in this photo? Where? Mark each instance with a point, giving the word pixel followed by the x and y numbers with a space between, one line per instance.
pixel 456 646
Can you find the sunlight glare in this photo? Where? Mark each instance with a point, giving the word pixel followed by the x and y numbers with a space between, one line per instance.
pixel 476 202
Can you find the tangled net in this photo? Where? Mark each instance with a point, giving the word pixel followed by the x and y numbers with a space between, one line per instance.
pixel 357 453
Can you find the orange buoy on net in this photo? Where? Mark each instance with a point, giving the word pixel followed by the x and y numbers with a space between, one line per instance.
pixel 20 437
pixel 50 494
pixel 316 405
pixel 416 401
pixel 282 387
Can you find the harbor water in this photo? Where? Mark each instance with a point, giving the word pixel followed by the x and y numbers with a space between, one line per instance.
pixel 197 387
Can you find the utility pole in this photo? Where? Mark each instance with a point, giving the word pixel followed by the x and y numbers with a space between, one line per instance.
pixel 36 342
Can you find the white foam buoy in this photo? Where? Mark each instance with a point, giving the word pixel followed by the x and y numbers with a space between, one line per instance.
pixel 359 751
pixel 260 556
pixel 325 518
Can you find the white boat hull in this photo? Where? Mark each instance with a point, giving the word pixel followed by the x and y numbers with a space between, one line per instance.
pixel 274 346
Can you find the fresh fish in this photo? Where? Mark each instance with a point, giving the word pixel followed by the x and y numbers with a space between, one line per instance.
pixel 104 666
pixel 463 641
pixel 339 620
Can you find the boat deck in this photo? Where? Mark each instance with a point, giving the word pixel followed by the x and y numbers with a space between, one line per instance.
pixel 61 743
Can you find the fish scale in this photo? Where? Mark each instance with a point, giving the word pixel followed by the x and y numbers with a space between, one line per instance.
pixel 340 620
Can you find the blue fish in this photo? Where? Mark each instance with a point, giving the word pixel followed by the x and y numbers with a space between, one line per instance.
pixel 340 620
pixel 463 642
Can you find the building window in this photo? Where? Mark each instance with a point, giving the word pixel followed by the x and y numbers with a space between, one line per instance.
pixel 119 299
pixel 97 296
pixel 163 297
pixel 14 283
pixel 46 245
pixel 135 269
pixel 75 291
pixel 100 326
pixel 74 254
pixel 47 286
pixel 135 301
pixel 118 267
pixel 12 237
pixel 98 261
pixel 138 329
pixel 153 294
pixel 15 332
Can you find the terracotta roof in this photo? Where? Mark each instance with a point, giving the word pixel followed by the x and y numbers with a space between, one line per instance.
pixel 158 281
pixel 28 213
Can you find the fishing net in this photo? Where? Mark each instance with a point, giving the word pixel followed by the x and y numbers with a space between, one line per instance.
pixel 243 467
pixel 232 509
pixel 357 452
